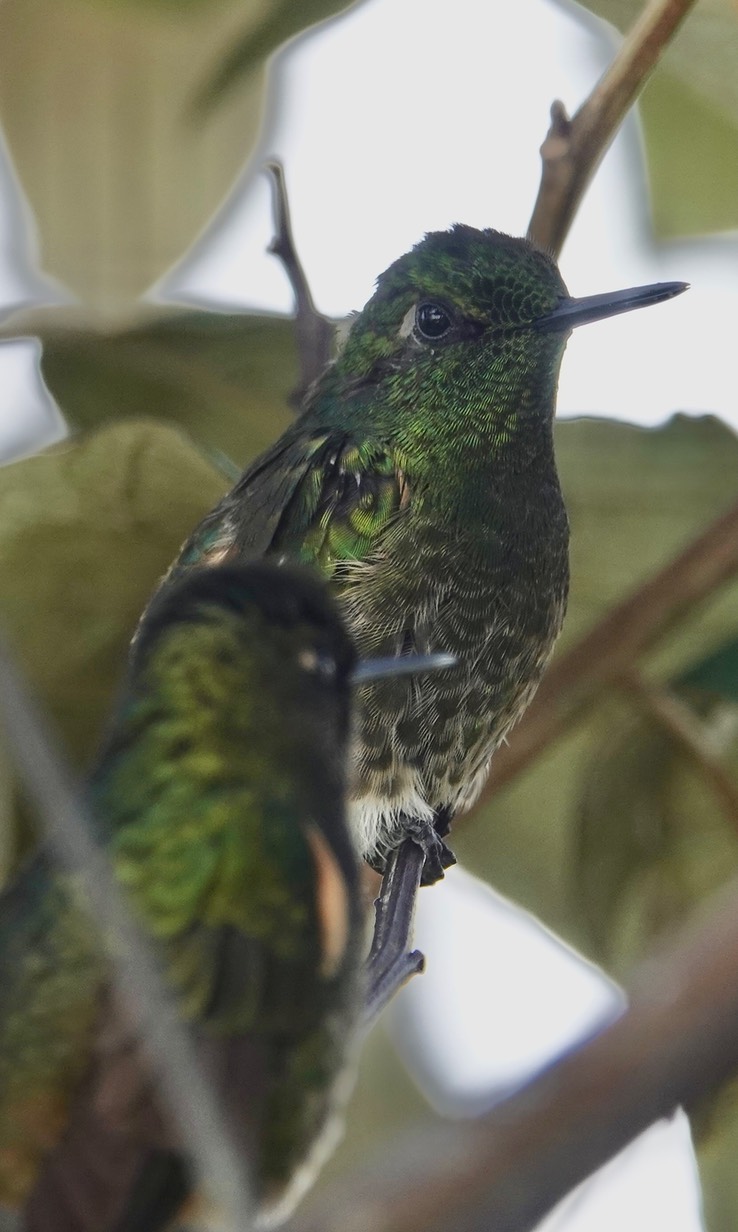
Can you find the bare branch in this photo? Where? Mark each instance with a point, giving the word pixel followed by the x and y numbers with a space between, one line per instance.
pixel 609 650
pixel 677 1042
pixel 573 149
pixel 221 1168
pixel 688 731
pixel 313 331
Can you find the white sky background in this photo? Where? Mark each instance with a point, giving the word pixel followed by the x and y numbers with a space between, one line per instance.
pixel 414 114
pixel 406 117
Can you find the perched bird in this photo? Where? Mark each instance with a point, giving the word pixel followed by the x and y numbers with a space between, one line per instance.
pixel 420 478
pixel 220 797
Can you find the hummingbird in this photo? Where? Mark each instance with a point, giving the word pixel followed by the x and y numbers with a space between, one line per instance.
pixel 219 795
pixel 420 480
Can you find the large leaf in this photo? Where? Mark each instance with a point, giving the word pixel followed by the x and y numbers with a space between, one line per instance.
pixel 85 532
pixel 280 22
pixel 691 159
pixel 655 835
pixel 224 377
pixel 96 101
pixel 656 830
pixel 690 117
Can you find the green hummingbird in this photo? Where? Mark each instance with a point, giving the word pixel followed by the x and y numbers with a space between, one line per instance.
pixel 220 798
pixel 420 479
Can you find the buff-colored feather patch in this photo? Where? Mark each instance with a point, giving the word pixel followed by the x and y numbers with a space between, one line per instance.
pixel 331 901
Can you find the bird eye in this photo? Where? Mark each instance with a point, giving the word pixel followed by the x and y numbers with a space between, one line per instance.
pixel 317 663
pixel 432 321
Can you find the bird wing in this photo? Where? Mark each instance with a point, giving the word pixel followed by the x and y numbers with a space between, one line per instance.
pixel 321 498
pixel 341 509
pixel 227 903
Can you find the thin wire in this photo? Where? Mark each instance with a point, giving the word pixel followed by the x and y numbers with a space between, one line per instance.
pixel 222 1171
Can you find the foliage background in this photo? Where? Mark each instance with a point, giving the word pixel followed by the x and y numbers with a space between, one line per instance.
pixel 127 121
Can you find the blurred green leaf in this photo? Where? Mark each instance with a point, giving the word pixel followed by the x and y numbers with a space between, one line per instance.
pixel 689 112
pixel 717 674
pixel 718 1148
pixel 226 378
pixel 281 22
pixel 654 834
pixel 691 159
pixel 165 5
pixel 96 105
pixel 653 839
pixel 85 532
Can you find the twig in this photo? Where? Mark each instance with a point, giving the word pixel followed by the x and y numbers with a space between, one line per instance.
pixel 390 964
pixel 677 1042
pixel 573 149
pixel 688 730
pixel 613 645
pixel 221 1169
pixel 313 331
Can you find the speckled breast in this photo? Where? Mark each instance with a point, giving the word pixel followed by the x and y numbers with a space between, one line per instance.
pixel 494 597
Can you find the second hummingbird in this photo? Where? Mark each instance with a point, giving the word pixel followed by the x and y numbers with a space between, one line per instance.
pixel 219 798
pixel 420 478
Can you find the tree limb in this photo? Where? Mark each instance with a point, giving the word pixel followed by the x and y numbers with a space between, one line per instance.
pixel 609 650
pixel 573 149
pixel 674 1045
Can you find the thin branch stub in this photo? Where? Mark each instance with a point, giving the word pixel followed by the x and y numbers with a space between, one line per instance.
pixel 313 331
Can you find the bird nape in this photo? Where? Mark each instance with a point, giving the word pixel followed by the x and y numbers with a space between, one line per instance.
pixel 219 796
pixel 420 480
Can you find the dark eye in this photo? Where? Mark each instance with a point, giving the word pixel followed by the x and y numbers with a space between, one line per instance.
pixel 318 663
pixel 432 321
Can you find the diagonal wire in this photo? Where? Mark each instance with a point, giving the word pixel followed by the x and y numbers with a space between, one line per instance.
pixel 221 1170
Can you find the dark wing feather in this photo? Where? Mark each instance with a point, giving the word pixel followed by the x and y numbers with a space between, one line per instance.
pixel 248 516
pixel 320 498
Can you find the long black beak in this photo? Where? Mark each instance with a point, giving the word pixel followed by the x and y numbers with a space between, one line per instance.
pixel 573 312
pixel 370 670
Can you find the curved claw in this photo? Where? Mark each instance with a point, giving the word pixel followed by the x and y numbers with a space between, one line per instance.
pixel 438 856
pixel 425 834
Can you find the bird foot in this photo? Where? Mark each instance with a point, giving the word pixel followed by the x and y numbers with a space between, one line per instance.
pixel 438 856
pixel 419 859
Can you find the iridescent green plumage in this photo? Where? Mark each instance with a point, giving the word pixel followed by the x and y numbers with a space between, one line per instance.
pixel 220 797
pixel 420 478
